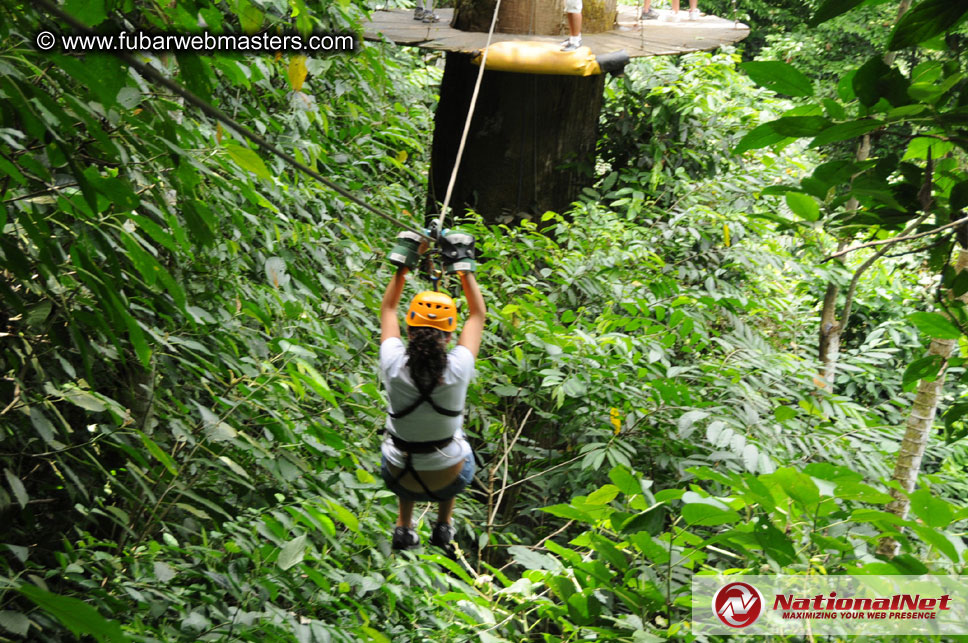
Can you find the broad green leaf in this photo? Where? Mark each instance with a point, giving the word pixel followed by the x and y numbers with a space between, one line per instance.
pixel 851 490
pixel 603 496
pixel 625 480
pixel 77 616
pixel 292 552
pixel 875 80
pixel 344 515
pixel 803 205
pixel 955 426
pixel 761 136
pixel 90 12
pixel 832 472
pixel 701 514
pixel 608 551
pixel 163 571
pixel 14 622
pixel 532 559
pixel 844 131
pixel 925 368
pixel 921 146
pixel 688 419
pixel 83 399
pixel 800 126
pixel 958 199
pixel 875 515
pixel 926 19
pixel 668 494
pixel 935 512
pixel 43 426
pixel 18 488
pixel 568 512
pixel 797 485
pixel 939 540
pixel 159 454
pixel 778 76
pixel 935 325
pixel 250 17
pixel 650 520
pixel 784 413
pixel 248 160
pixel 233 465
pixel 831 9
pixel 775 543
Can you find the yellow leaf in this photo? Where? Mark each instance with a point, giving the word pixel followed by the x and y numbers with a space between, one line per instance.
pixel 616 418
pixel 401 156
pixel 218 132
pixel 297 72
pixel 726 234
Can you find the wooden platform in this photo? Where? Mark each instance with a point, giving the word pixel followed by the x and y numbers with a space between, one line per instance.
pixel 637 38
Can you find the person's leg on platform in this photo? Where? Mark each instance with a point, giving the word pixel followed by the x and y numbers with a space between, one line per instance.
pixel 693 9
pixel 573 15
pixel 648 13
pixel 675 11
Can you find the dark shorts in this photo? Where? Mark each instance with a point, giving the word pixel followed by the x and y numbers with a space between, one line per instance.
pixel 446 493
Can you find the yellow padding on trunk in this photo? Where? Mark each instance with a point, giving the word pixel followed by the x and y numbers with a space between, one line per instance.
pixel 539 58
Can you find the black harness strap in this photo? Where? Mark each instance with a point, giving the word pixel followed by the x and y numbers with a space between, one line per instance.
pixel 417 447
pixel 424 397
pixel 420 447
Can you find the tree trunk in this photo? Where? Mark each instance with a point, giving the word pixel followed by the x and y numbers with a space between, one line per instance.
pixel 830 332
pixel 918 428
pixel 531 145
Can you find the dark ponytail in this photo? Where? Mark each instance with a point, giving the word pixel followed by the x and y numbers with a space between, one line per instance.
pixel 426 356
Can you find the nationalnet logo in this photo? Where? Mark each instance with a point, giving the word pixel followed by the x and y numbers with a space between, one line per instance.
pixel 831 605
pixel 738 604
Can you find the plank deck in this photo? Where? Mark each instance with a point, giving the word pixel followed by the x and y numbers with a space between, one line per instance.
pixel 637 38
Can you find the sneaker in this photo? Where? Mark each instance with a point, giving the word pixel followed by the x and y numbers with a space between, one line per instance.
pixel 443 537
pixel 430 17
pixel 674 17
pixel 571 46
pixel 693 14
pixel 651 14
pixel 418 13
pixel 405 538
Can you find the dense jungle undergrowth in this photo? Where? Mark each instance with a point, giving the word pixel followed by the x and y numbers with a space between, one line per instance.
pixel 189 404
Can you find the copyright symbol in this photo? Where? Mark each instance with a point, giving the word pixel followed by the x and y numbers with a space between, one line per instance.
pixel 45 40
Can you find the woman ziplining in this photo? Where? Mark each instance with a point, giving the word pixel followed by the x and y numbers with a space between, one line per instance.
pixel 425 454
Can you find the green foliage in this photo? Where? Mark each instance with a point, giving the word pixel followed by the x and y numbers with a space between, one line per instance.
pixel 626 583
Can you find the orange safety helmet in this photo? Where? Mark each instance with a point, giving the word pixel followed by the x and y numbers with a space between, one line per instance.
pixel 433 309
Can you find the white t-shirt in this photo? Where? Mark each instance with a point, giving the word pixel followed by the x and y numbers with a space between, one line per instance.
pixel 424 424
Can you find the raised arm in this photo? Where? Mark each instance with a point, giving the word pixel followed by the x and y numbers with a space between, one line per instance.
pixel 389 321
pixel 470 336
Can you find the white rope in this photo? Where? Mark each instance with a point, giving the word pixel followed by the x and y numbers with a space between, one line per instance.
pixel 467 123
